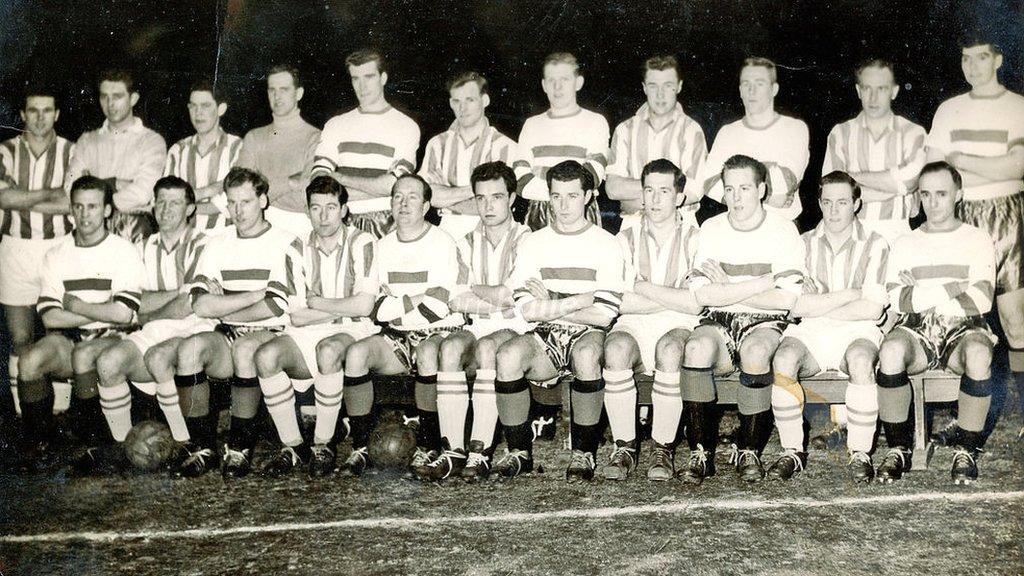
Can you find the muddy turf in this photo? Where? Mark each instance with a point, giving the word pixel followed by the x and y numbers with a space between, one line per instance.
pixel 819 523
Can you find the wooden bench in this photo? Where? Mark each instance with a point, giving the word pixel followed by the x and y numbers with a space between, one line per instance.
pixel 932 386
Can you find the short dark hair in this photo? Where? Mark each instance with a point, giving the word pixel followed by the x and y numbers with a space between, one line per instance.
pixel 467 77
pixel 564 58
pixel 761 62
pixel 327 185
pixel 874 63
pixel 663 166
pixel 428 192
pixel 206 85
pixel 662 62
pixel 35 90
pixel 943 166
pixel 93 183
pixel 288 69
pixel 238 176
pixel 364 55
pixel 740 161
pixel 494 171
pixel 173 182
pixel 117 75
pixel 839 177
pixel 978 38
pixel 569 170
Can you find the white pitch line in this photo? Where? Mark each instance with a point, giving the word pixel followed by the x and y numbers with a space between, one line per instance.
pixel 585 513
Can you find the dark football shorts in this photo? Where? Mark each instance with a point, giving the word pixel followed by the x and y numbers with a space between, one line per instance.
pixel 735 326
pixel 232 332
pixel 1003 219
pixel 940 335
pixel 404 342
pixel 558 340
pixel 79 335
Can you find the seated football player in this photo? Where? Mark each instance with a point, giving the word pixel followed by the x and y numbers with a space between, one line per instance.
pixel 568 277
pixel 245 279
pixel 486 256
pixel 940 280
pixel 658 253
pixel 418 267
pixel 844 299
pixel 88 301
pixel 340 271
pixel 170 257
pixel 745 244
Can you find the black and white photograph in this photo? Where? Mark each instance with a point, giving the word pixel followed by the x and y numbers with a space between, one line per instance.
pixel 511 287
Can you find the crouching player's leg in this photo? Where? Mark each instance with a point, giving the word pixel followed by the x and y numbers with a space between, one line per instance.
pixel 102 450
pixel 278 361
pixel 902 353
pixel 970 355
pixel 705 353
pixel 50 357
pixel 621 358
pixel 792 361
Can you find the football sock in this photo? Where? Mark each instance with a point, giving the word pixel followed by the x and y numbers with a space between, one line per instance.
pixel 973 403
pixel 754 400
pixel 87 412
pixel 620 403
pixel 328 389
pixel 243 434
pixel 61 396
pixel 894 395
pixel 485 407
pixel 513 403
pixel 428 435
pixel 245 397
pixel 358 405
pixel 170 404
pixel 12 372
pixel 116 403
pixel 667 405
pixel 702 425
pixel 280 399
pixel 452 406
pixel 587 399
pixel 36 399
pixel 862 414
pixel 788 409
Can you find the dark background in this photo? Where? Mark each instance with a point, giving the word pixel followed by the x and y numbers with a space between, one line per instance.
pixel 169 44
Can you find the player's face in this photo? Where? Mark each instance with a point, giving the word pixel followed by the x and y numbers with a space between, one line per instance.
pixel 980 64
pixel 660 197
pixel 325 213
pixel 116 101
pixel 568 202
pixel 39 115
pixel 246 207
pixel 282 94
pixel 939 196
pixel 838 208
pixel 561 84
pixel 876 89
pixel 757 89
pixel 408 206
pixel 662 87
pixel 171 209
pixel 742 194
pixel 89 212
pixel 368 83
pixel 204 111
pixel 493 202
pixel 468 103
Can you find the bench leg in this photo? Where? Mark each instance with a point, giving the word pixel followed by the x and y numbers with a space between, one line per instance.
pixel 921 452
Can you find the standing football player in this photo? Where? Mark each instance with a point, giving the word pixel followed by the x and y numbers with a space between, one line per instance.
pixel 245 281
pixel 746 244
pixel 981 134
pixel 204 158
pixel 123 152
pixel 565 132
pixel 170 258
pixel 340 269
pixel 843 302
pixel 90 295
pixel 368 147
pixel 33 218
pixel 659 254
pixel 282 151
pixel 882 151
pixel 940 281
pixel 778 141
pixel 418 269
pixel 568 277
pixel 659 129
pixel 486 256
pixel 453 155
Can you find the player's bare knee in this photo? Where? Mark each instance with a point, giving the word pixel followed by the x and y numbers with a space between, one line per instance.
pixel 787 359
pixel 892 356
pixel 699 351
pixel 756 352
pixel 669 352
pixel 977 358
pixel 450 354
pixel 160 358
pixel 618 348
pixel 267 359
pixel 860 362
pixel 356 358
pixel 484 352
pixel 83 359
pixel 30 363
pixel 110 365
pixel 586 356
pixel 243 350
pixel 510 357
pixel 329 356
